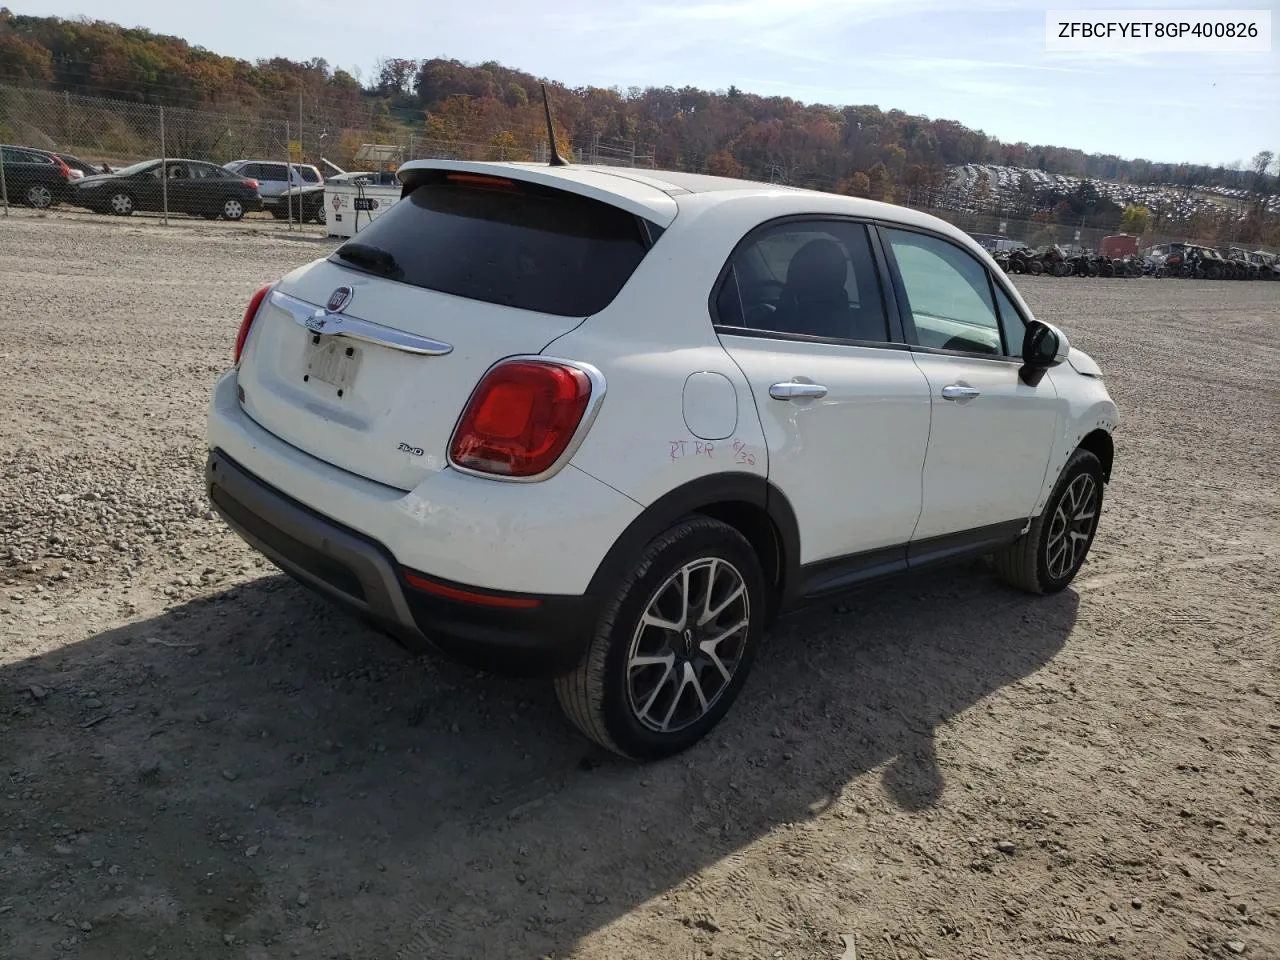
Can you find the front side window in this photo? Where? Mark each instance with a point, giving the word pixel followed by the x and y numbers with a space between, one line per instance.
pixel 805 278
pixel 946 293
pixel 1012 326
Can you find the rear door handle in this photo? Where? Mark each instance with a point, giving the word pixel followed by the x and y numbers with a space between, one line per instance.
pixel 794 390
pixel 959 392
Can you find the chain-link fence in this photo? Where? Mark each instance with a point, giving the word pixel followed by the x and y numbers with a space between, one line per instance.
pixel 105 134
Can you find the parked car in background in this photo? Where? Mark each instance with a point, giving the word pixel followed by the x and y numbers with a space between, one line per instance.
pixel 561 420
pixel 1268 264
pixel 35 177
pixel 79 168
pixel 303 204
pixel 274 179
pixel 192 186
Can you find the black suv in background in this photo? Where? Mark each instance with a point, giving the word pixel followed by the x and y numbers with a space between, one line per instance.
pixel 35 178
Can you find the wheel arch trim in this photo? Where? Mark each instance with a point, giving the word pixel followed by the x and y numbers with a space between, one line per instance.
pixel 711 495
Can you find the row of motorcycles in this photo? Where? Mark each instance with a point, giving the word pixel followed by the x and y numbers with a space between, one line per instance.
pixel 1201 263
pixel 1056 262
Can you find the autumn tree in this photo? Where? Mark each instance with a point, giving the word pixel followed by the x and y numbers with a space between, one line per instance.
pixel 878 184
pixel 1135 219
pixel 722 164
pixel 859 185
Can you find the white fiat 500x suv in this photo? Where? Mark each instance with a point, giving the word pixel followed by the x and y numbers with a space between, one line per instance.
pixel 604 425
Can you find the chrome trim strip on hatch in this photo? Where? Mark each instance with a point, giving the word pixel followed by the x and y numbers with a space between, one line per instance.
pixel 321 321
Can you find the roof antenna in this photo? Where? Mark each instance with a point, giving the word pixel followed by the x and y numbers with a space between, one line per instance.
pixel 555 160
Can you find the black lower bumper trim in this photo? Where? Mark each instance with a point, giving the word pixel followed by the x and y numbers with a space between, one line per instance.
pixel 361 574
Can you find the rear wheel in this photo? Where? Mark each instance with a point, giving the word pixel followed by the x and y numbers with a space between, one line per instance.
pixel 1047 557
pixel 674 645
pixel 233 208
pixel 121 204
pixel 39 196
pixel 1035 267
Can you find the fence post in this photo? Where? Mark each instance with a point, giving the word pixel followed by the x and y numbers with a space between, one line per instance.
pixel 4 187
pixel 66 112
pixel 288 169
pixel 164 172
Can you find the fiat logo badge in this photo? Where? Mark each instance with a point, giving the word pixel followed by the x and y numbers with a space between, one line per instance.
pixel 339 299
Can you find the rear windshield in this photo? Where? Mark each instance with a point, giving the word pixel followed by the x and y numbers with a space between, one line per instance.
pixel 501 241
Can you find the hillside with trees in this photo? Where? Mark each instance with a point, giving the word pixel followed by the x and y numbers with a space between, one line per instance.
pixel 862 150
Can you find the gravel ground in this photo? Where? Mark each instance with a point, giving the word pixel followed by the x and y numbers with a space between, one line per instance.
pixel 203 760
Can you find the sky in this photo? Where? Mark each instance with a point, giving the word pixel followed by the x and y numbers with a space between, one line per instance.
pixel 983 63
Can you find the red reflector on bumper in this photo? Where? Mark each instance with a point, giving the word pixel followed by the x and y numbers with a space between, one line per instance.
pixel 419 582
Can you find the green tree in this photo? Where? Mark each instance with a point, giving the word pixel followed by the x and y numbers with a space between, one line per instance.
pixel 1135 219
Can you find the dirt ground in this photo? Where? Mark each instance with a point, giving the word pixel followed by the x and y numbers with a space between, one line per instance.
pixel 204 760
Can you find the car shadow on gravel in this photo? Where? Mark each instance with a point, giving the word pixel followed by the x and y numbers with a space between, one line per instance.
pixel 255 770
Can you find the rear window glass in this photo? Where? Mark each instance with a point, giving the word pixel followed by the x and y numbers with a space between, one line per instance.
pixel 520 245
pixel 310 174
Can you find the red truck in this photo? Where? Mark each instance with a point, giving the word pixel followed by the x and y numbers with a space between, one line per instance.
pixel 1121 245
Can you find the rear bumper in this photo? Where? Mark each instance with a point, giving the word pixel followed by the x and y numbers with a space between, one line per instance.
pixel 516 634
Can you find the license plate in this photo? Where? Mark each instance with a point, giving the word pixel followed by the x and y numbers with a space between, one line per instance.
pixel 332 360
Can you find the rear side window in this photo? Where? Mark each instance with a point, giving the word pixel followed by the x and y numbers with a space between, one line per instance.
pixel 310 174
pixel 811 278
pixel 501 241
pixel 273 171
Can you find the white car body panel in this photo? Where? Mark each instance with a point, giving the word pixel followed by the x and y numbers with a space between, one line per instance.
pixel 849 462
pixel 987 456
pixel 395 398
pixel 545 537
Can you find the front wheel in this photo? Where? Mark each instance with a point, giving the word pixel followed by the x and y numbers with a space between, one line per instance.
pixel 674 645
pixel 232 209
pixel 121 204
pixel 1048 556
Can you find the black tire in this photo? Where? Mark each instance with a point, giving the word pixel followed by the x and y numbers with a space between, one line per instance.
pixel 1027 563
pixel 1035 267
pixel 600 695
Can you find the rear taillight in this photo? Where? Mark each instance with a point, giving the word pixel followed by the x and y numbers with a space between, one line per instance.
pixel 249 314
pixel 251 183
pixel 63 168
pixel 521 418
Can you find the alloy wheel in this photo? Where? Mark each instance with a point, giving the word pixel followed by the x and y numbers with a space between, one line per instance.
pixel 1075 519
pixel 39 196
pixel 122 204
pixel 689 642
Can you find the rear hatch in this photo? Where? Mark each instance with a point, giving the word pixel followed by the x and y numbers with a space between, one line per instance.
pixel 366 360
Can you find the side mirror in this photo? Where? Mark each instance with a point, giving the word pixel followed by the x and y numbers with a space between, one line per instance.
pixel 1044 346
